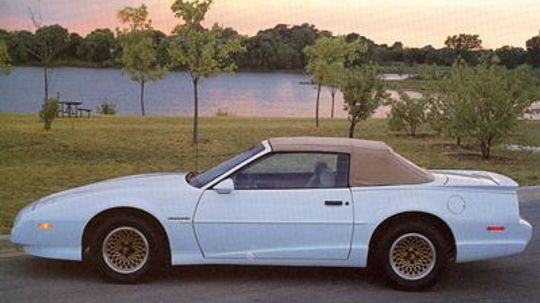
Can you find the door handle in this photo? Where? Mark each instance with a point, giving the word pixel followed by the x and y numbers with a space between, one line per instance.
pixel 333 203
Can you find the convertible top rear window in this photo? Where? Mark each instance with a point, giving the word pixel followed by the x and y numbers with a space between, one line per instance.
pixel 203 178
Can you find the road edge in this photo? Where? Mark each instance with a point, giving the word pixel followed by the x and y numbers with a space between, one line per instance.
pixel 8 249
pixel 529 193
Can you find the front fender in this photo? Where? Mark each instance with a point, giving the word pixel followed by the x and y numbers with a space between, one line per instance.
pixel 70 215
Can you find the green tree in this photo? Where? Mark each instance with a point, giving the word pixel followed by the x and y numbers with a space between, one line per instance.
pixel 4 35
pixel 99 46
pixel 280 47
pixel 4 58
pixel 139 51
pixel 466 46
pixel 407 113
pixel 484 102
pixel 203 52
pixel 74 45
pixel 510 56
pixel 463 42
pixel 327 59
pixel 161 41
pixel 441 113
pixel 21 43
pixel 533 50
pixel 363 92
pixel 49 43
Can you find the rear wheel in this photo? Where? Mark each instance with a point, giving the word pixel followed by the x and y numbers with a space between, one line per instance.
pixel 126 249
pixel 413 255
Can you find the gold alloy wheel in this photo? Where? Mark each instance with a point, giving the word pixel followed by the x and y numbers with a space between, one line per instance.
pixel 412 256
pixel 125 250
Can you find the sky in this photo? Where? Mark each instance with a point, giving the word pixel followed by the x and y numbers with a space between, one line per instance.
pixel 416 23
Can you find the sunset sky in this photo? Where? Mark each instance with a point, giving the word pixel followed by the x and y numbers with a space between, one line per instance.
pixel 414 22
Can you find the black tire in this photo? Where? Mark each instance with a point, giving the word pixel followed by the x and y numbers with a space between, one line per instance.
pixel 145 235
pixel 416 270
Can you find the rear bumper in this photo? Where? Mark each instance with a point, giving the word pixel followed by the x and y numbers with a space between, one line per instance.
pixel 513 241
pixel 519 237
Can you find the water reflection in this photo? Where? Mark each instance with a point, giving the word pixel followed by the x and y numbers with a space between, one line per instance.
pixel 242 94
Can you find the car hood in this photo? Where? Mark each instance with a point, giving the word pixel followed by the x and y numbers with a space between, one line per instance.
pixel 154 180
pixel 473 178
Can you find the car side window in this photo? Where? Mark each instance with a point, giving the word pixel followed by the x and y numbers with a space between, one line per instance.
pixel 295 170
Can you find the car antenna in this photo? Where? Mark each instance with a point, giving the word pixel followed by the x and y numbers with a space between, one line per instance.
pixel 197 156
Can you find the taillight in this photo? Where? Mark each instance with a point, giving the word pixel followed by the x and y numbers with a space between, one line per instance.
pixel 495 228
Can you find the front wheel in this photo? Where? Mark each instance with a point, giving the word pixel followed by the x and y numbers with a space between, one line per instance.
pixel 413 255
pixel 126 250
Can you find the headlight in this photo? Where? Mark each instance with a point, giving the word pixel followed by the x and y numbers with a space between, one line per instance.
pixel 28 208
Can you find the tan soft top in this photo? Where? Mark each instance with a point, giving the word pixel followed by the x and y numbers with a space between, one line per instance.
pixel 372 162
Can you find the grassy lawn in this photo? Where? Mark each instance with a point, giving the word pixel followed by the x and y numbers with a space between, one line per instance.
pixel 34 163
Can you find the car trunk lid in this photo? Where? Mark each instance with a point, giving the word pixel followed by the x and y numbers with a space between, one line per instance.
pixel 473 178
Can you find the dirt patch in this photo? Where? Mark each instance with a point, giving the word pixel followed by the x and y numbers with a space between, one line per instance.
pixel 417 136
pixel 452 147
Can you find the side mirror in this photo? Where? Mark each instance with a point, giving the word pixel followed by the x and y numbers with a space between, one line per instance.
pixel 225 186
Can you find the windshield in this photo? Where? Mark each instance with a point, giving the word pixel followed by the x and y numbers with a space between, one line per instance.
pixel 212 173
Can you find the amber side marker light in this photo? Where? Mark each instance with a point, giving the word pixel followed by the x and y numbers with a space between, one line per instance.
pixel 45 226
pixel 495 228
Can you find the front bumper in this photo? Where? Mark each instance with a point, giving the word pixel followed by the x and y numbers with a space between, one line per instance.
pixel 63 241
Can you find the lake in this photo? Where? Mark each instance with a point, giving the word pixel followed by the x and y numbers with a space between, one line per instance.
pixel 252 94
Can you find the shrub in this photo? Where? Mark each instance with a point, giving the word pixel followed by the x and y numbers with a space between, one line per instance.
pixel 482 103
pixel 407 113
pixel 223 112
pixel 106 107
pixel 48 113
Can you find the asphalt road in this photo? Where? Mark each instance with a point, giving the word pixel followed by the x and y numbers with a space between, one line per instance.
pixel 511 279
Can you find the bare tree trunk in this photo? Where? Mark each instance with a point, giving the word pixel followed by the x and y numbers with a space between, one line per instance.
pixel 458 141
pixel 196 111
pixel 351 129
pixel 485 149
pixel 142 98
pixel 46 82
pixel 333 94
pixel 317 105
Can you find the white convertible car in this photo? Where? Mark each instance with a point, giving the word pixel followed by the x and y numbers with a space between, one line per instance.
pixel 299 201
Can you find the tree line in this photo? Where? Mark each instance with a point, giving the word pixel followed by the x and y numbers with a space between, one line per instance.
pixel 277 48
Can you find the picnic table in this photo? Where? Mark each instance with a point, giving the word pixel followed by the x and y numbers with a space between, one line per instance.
pixel 84 110
pixel 72 109
pixel 69 108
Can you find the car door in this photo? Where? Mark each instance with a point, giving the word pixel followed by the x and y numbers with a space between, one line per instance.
pixel 283 206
